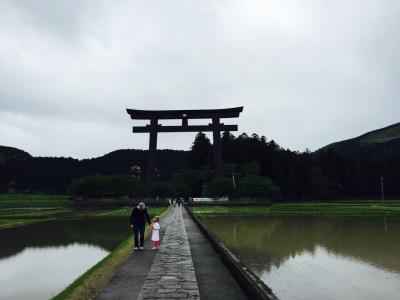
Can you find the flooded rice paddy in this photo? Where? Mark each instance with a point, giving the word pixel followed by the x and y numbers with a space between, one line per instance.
pixel 307 257
pixel 38 261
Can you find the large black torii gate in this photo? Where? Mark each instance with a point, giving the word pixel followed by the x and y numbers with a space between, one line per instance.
pixel 153 128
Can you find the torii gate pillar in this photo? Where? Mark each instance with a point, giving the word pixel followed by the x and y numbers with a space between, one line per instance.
pixel 217 149
pixel 152 155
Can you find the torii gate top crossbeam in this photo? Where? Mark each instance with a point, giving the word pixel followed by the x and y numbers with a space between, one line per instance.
pixel 154 128
pixel 137 114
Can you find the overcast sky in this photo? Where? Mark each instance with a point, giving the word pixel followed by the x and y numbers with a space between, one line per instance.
pixel 307 72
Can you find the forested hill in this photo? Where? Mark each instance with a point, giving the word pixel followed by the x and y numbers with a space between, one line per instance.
pixel 377 143
pixel 53 174
pixel 350 169
pixel 358 164
pixel 9 154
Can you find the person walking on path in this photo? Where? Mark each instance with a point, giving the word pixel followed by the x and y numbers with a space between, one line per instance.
pixel 138 219
pixel 155 234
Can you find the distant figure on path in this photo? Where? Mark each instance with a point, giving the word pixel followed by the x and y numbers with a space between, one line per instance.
pixel 155 234
pixel 138 219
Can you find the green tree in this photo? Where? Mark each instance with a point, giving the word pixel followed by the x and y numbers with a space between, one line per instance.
pixel 110 185
pixel 257 186
pixel 170 188
pixel 218 186
pixel 251 168
pixel 200 152
pixel 194 179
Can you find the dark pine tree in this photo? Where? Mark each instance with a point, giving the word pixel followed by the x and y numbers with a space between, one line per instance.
pixel 200 152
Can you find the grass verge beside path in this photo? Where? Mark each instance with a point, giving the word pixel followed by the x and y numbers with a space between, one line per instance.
pixel 89 285
pixel 368 210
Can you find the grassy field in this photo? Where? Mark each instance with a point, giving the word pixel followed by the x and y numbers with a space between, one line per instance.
pixel 12 217
pixel 23 209
pixel 31 201
pixel 359 210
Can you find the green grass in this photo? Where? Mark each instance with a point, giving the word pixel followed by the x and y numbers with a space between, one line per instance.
pixel 29 200
pixel 382 135
pixel 227 210
pixel 31 213
pixel 12 217
pixel 359 210
pixel 15 223
pixel 23 209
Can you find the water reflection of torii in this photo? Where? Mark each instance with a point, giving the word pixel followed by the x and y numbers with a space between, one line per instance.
pixel 153 128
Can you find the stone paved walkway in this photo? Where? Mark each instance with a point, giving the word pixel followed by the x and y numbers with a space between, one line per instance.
pixel 129 279
pixel 172 273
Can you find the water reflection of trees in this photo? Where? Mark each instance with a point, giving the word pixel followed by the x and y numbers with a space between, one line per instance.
pixel 106 233
pixel 266 241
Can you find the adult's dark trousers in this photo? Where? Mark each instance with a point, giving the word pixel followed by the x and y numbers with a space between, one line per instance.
pixel 138 229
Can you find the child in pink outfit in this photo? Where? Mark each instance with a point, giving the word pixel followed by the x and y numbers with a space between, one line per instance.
pixel 155 235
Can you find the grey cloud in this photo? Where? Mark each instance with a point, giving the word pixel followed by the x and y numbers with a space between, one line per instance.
pixel 308 73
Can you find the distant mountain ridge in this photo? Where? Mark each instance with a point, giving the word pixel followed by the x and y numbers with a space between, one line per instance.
pixel 9 154
pixel 388 136
pixel 382 135
pixel 374 143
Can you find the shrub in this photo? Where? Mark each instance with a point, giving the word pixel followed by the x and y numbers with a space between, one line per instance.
pixel 170 189
pixel 218 186
pixel 111 185
pixel 257 186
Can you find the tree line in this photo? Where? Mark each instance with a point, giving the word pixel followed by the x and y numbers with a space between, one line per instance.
pixel 252 165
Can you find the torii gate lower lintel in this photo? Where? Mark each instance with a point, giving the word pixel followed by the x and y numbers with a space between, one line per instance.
pixel 154 128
